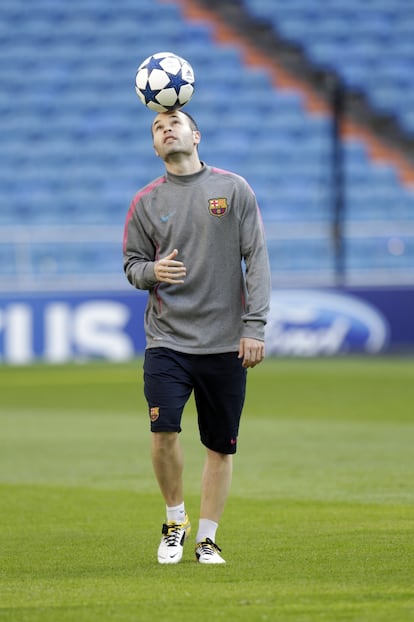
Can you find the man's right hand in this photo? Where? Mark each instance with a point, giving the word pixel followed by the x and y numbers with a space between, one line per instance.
pixel 167 270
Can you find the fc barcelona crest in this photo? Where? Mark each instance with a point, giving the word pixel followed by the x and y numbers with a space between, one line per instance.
pixel 217 207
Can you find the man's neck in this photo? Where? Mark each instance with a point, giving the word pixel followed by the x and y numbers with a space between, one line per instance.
pixel 183 166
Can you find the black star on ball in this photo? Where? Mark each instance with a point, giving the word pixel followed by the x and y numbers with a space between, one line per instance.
pixel 176 82
pixel 148 93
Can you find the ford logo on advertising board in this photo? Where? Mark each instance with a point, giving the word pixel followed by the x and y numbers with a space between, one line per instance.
pixel 316 323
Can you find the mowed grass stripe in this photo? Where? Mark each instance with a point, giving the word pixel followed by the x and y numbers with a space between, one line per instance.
pixel 349 388
pixel 277 458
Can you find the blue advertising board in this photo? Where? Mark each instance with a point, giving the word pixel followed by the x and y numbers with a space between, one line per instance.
pixel 309 322
pixel 62 327
pixel 57 328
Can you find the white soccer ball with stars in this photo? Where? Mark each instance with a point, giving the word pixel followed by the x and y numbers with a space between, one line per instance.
pixel 164 81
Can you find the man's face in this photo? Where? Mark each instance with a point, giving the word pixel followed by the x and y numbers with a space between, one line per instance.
pixel 172 134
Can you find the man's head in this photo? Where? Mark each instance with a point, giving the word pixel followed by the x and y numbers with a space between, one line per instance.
pixel 190 119
pixel 175 133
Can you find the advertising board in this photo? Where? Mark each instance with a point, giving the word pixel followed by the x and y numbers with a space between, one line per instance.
pixel 58 328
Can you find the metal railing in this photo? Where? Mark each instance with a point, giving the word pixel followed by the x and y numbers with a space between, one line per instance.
pixel 32 258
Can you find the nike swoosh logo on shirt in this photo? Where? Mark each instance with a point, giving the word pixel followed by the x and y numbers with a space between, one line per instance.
pixel 165 217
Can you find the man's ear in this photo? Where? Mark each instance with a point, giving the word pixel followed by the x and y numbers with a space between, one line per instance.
pixel 197 136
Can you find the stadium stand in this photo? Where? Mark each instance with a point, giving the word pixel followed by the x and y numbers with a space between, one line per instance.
pixel 76 142
pixel 369 45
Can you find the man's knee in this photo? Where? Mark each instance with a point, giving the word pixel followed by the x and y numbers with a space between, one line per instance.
pixel 164 441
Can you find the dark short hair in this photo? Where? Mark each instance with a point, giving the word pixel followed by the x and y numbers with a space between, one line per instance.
pixel 192 121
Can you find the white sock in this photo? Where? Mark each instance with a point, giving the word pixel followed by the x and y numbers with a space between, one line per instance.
pixel 206 529
pixel 176 513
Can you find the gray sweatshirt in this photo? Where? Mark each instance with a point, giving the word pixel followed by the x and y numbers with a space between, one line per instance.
pixel 213 219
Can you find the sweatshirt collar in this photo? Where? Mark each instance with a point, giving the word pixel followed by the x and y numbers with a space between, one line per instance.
pixel 187 180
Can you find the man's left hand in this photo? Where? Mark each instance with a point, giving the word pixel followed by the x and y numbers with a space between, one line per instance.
pixel 252 351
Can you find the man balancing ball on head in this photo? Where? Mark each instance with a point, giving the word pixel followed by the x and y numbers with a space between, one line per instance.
pixel 194 239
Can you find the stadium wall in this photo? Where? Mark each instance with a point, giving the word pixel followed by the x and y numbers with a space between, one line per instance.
pixel 64 327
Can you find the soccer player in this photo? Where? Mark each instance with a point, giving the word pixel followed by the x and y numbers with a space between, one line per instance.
pixel 194 239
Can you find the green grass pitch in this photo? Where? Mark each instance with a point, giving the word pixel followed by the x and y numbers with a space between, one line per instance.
pixel 319 525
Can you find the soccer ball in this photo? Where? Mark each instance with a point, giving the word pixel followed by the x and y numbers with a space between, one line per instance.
pixel 164 81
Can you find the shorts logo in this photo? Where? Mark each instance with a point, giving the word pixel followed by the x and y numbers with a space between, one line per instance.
pixel 154 413
pixel 217 207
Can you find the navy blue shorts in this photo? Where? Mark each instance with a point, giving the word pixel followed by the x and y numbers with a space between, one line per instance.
pixel 219 385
